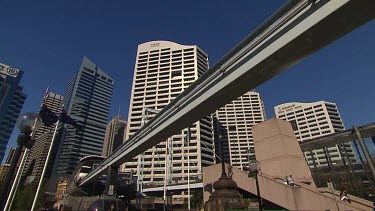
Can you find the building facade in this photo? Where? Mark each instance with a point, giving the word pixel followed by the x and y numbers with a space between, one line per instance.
pixel 87 100
pixel 312 120
pixel 12 99
pixel 4 169
pixel 114 135
pixel 43 138
pixel 163 70
pixel 233 128
pixel 10 155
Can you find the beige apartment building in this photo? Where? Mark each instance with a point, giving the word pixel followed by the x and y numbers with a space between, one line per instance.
pixel 233 128
pixel 114 135
pixel 312 120
pixel 163 70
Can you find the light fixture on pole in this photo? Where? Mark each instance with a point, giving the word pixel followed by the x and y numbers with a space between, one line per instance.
pixel 254 168
pixel 26 123
pixel 223 173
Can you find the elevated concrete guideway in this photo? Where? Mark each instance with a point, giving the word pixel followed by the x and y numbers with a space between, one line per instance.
pixel 355 133
pixel 338 137
pixel 296 30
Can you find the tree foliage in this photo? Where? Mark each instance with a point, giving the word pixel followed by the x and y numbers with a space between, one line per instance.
pixel 25 196
pixel 197 199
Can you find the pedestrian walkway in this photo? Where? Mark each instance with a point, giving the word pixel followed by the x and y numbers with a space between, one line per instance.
pixel 300 197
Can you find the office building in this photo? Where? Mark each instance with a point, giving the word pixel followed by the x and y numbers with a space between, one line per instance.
pixel 11 103
pixel 163 70
pixel 312 120
pixel 114 135
pixel 10 155
pixel 86 100
pixel 43 138
pixel 233 128
pixel 4 169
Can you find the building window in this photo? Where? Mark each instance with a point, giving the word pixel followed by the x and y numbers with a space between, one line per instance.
pixel 294 125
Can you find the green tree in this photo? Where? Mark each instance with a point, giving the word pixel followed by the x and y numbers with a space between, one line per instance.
pixel 25 197
pixel 197 199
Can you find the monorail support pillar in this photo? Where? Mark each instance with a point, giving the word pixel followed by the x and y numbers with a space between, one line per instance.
pixel 365 151
pixel 110 185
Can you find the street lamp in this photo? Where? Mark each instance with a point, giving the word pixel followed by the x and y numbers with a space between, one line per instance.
pixel 223 173
pixel 26 123
pixel 254 168
pixel 169 200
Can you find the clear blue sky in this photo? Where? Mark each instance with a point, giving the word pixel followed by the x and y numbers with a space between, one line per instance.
pixel 48 39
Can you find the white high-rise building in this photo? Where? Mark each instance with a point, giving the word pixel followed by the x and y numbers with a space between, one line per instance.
pixel 233 128
pixel 312 120
pixel 163 70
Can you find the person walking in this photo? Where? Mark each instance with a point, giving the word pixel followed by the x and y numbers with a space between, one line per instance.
pixel 290 180
pixel 344 196
pixel 285 180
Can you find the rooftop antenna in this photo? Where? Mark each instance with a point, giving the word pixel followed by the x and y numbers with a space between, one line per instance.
pixel 119 110
pixel 45 95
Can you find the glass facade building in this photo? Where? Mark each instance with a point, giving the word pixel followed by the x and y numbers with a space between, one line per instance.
pixel 87 100
pixel 12 99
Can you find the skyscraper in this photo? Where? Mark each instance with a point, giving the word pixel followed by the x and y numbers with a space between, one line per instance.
pixel 43 138
pixel 114 135
pixel 312 120
pixel 11 103
pixel 163 70
pixel 10 156
pixel 87 100
pixel 233 128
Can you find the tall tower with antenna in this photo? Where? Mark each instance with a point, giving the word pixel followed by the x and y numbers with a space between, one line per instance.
pixel 114 134
pixel 43 137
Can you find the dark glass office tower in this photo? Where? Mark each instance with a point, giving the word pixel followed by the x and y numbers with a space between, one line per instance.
pixel 11 103
pixel 43 138
pixel 87 100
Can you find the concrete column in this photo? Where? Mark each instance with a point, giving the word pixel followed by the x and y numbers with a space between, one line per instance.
pixel 365 151
pixel 110 186
pixel 278 151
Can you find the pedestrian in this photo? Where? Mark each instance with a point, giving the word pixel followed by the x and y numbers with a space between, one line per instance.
pixel 285 180
pixel 290 180
pixel 344 196
pixel 330 185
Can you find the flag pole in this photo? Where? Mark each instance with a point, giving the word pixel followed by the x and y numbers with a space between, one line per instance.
pixel 45 166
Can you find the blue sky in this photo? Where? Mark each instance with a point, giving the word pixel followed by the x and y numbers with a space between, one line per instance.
pixel 48 39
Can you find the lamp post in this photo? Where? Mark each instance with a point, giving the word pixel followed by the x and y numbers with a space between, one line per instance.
pixel 26 123
pixel 169 200
pixel 254 167
pixel 223 173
